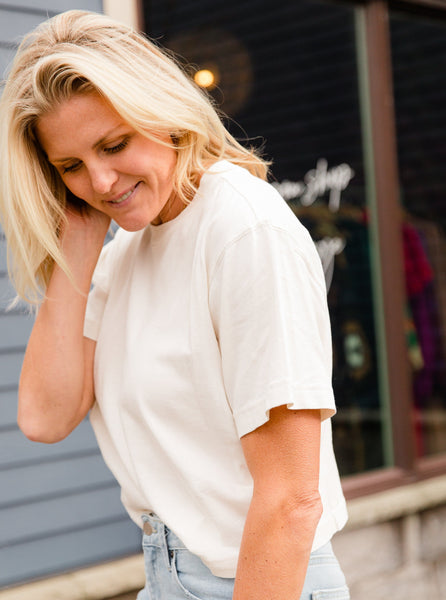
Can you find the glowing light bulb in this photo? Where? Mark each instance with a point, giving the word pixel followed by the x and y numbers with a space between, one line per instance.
pixel 204 78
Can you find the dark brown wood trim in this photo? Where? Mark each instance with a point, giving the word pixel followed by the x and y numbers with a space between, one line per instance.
pixel 431 466
pixel 140 15
pixel 373 482
pixel 388 220
pixel 388 217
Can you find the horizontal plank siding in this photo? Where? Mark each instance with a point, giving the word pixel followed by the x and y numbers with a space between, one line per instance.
pixel 18 451
pixel 8 412
pixel 6 55
pixel 13 24
pixel 68 550
pixel 15 328
pixel 3 267
pixel 60 506
pixel 55 516
pixel 44 7
pixel 26 484
pixel 10 363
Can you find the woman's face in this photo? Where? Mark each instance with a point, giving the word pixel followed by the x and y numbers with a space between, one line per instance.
pixel 108 164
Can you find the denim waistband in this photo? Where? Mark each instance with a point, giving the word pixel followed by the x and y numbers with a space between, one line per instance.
pixel 156 533
pixel 174 572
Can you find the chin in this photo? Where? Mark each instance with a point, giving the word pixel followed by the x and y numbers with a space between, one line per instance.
pixel 133 226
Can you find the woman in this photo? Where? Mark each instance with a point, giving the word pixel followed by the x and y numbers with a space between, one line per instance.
pixel 203 351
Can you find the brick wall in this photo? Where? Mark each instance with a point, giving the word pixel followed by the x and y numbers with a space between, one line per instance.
pixel 395 544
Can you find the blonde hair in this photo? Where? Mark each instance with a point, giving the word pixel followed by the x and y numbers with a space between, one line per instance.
pixel 80 52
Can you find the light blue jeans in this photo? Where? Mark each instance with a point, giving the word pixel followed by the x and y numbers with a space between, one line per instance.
pixel 174 573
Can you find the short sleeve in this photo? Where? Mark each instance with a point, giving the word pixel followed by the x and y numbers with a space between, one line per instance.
pixel 269 308
pixel 98 295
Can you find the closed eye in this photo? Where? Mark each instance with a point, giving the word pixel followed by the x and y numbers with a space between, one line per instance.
pixel 71 168
pixel 118 147
pixel 109 150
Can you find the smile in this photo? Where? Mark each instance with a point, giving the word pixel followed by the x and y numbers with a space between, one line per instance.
pixel 124 196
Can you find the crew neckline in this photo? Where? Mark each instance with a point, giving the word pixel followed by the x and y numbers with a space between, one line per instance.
pixel 162 228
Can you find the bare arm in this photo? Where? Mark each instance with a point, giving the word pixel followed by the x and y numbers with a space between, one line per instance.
pixel 56 384
pixel 283 458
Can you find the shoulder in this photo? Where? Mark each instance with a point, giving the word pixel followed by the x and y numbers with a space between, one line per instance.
pixel 239 193
pixel 238 204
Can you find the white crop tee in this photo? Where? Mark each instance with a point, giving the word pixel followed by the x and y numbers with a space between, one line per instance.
pixel 203 324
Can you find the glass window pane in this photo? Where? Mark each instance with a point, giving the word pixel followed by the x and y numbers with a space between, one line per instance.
pixel 419 63
pixel 287 73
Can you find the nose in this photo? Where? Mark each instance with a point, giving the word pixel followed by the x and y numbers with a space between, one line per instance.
pixel 102 179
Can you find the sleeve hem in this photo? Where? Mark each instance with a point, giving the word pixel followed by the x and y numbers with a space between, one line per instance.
pixel 253 417
pixel 91 329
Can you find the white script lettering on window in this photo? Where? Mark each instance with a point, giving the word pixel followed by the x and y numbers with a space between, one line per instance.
pixel 328 248
pixel 317 183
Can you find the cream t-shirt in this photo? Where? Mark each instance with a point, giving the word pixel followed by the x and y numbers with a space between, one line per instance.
pixel 203 324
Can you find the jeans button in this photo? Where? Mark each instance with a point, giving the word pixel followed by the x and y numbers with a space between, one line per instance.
pixel 148 529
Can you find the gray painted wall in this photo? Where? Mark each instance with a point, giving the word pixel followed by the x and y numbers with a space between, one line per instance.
pixel 59 504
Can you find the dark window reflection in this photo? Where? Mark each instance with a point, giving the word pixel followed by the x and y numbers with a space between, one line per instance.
pixel 286 72
pixel 419 63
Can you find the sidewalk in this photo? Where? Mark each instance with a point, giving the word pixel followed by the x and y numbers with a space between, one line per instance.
pixel 97 582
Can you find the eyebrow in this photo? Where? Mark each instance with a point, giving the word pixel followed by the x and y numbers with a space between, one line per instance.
pixel 99 142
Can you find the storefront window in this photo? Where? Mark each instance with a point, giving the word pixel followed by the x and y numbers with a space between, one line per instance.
pixel 419 65
pixel 287 74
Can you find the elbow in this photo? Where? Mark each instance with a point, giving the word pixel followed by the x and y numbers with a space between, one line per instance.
pixel 290 510
pixel 38 430
pixel 37 434
pixel 303 512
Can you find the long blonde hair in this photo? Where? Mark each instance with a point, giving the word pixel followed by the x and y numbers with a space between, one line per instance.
pixel 79 52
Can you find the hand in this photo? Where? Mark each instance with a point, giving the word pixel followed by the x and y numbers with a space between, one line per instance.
pixel 80 215
pixel 82 236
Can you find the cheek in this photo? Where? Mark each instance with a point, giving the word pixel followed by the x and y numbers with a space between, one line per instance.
pixel 77 190
pixel 159 161
pixel 168 164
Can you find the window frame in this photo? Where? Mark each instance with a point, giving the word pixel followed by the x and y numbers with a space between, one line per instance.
pixel 386 227
pixel 386 221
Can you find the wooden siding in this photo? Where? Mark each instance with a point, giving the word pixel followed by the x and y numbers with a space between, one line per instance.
pixel 59 504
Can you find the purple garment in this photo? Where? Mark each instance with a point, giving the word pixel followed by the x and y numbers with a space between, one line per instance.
pixel 423 311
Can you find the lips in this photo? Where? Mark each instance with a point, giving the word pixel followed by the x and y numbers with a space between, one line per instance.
pixel 123 197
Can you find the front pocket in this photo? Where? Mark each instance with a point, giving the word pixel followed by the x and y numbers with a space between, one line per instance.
pixel 340 593
pixel 184 566
pixel 195 580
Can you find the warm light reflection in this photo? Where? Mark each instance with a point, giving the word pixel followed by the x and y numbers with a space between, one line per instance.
pixel 204 78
